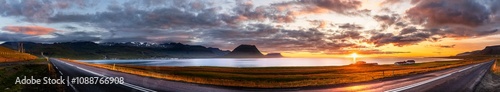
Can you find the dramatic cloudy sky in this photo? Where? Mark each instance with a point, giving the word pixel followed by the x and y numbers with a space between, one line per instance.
pixel 297 28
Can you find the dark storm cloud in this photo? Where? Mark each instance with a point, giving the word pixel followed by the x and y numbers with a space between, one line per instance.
pixel 381 39
pixel 401 24
pixel 198 16
pixel 447 46
pixel 454 31
pixel 39 10
pixel 385 18
pixel 350 26
pixel 70 27
pixel 439 19
pixel 408 30
pixel 471 19
pixel 339 6
pixel 389 20
pixel 495 6
pixel 74 36
pixel 166 24
pixel 348 34
pixel 441 12
pixel 246 11
pixel 158 18
pixel 33 10
pixel 175 17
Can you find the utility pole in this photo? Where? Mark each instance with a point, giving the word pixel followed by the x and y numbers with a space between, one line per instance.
pixel 20 47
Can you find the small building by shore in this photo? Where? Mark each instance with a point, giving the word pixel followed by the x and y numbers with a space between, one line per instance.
pixel 407 62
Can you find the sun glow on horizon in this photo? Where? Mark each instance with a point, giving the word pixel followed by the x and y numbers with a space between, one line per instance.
pixel 354 56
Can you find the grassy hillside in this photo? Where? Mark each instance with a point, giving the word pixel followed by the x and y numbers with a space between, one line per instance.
pixel 496 67
pixel 8 55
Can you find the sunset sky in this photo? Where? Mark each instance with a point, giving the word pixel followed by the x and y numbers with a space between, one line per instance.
pixel 296 28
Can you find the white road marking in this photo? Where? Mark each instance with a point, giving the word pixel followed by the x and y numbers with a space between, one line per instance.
pixel 477 79
pixel 74 89
pixel 125 84
pixel 427 81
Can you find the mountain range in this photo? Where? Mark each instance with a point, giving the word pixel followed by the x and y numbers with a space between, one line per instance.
pixel 127 50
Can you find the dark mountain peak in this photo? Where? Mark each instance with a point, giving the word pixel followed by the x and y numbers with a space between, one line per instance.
pixel 245 51
pixel 491 50
pixel 250 49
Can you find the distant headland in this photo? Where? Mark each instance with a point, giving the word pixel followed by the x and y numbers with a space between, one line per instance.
pixel 249 51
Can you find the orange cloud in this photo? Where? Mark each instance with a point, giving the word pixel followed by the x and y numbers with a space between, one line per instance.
pixel 29 30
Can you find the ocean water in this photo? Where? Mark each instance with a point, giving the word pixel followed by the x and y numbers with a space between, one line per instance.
pixel 262 62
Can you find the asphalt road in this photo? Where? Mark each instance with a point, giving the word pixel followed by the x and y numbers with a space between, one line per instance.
pixel 450 80
pixel 133 83
pixel 461 81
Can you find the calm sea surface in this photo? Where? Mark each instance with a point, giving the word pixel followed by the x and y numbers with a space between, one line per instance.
pixel 261 62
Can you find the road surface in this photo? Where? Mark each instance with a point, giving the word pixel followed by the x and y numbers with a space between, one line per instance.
pixel 450 80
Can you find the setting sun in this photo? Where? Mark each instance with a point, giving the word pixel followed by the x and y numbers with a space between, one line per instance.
pixel 354 55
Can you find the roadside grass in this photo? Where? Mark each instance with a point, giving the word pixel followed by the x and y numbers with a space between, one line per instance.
pixel 37 68
pixel 496 67
pixel 283 77
pixel 8 55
